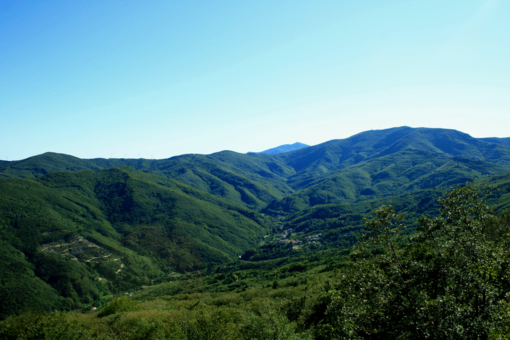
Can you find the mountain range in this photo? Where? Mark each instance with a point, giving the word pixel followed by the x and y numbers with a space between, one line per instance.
pixel 284 148
pixel 66 221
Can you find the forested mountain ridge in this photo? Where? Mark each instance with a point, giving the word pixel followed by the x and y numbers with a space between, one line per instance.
pixel 495 140
pixel 43 164
pixel 251 180
pixel 393 174
pixel 67 221
pixel 369 165
pixel 314 161
pixel 456 261
pixel 64 230
pixel 284 148
pixel 281 174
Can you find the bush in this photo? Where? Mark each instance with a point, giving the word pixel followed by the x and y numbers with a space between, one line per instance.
pixel 37 326
pixel 449 283
pixel 120 304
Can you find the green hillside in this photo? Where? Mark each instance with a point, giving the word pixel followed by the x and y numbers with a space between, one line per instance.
pixel 496 140
pixel 313 162
pixel 43 164
pixel 389 175
pixel 457 261
pixel 342 222
pixel 64 230
pixel 74 231
pixel 368 165
pixel 252 180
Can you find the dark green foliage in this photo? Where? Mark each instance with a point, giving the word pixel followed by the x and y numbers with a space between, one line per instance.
pixel 75 232
pixel 118 305
pixel 71 279
pixel 448 283
pixel 388 175
pixel 495 140
pixel 371 164
pixel 20 289
pixel 64 231
pixel 252 180
pixel 35 326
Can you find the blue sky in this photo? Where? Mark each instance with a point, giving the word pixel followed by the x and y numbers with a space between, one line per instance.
pixel 155 79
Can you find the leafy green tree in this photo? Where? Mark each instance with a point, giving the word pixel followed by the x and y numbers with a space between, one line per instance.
pixel 270 323
pixel 37 326
pixel 449 282
pixel 117 305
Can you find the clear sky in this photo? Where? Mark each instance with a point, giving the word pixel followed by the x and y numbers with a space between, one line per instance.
pixel 155 79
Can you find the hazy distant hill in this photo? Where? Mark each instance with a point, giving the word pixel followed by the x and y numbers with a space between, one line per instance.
pixel 501 141
pixel 284 148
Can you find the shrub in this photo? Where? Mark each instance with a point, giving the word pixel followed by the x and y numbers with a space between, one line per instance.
pixel 120 304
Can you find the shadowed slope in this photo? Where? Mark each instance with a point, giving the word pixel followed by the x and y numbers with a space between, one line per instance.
pixel 64 230
pixel 501 141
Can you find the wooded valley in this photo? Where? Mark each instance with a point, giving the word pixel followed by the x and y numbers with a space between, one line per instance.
pixel 397 233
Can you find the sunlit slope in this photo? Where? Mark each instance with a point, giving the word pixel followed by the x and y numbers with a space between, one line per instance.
pixel 496 140
pixel 252 180
pixel 500 199
pixel 317 161
pixel 341 224
pixel 41 165
pixel 389 175
pixel 62 231
pixel 122 199
pixel 368 165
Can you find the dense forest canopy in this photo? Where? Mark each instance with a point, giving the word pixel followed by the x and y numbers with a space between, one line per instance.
pixel 262 246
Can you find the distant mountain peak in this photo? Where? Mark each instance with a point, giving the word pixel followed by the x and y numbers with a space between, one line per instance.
pixel 284 148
